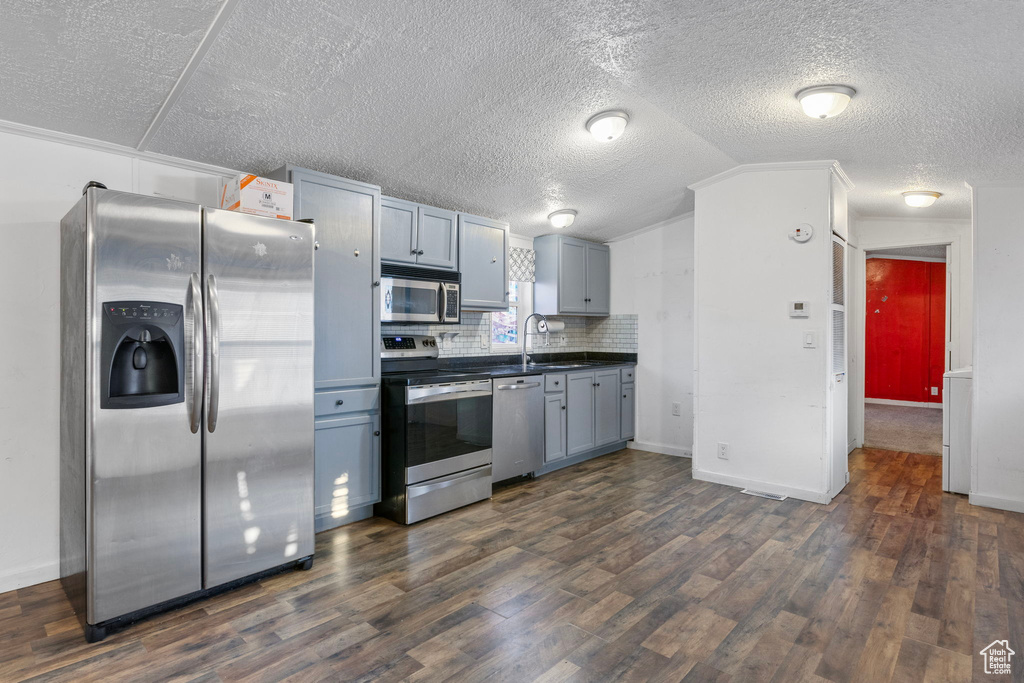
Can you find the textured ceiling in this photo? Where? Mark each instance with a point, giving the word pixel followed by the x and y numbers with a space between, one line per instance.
pixel 480 105
pixel 933 251
pixel 98 69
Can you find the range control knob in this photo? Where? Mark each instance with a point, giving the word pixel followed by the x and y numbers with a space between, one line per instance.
pixel 426 342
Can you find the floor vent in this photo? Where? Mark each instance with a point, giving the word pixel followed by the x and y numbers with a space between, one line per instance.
pixel 763 494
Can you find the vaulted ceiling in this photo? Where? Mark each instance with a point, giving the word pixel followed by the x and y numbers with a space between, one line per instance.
pixel 480 105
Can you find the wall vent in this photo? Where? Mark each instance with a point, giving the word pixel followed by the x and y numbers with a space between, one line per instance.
pixel 838 273
pixel 764 494
pixel 838 341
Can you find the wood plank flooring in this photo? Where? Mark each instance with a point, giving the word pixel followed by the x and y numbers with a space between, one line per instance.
pixel 620 568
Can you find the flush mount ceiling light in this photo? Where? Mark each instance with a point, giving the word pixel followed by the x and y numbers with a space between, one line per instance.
pixel 825 101
pixel 607 125
pixel 920 199
pixel 563 218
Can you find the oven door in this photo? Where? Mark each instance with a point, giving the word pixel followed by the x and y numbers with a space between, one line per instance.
pixel 412 301
pixel 448 429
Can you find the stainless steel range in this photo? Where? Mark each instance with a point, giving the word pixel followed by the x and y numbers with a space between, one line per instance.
pixel 436 450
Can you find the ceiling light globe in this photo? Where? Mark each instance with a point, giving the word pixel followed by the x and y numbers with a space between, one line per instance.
pixel 825 101
pixel 920 199
pixel 563 218
pixel 608 125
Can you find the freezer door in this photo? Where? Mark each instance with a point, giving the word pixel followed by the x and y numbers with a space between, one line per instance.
pixel 258 415
pixel 143 463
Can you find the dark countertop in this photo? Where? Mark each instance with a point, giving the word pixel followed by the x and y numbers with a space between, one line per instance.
pixel 516 369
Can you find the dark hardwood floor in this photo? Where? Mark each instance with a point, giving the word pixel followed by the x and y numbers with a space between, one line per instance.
pixel 621 568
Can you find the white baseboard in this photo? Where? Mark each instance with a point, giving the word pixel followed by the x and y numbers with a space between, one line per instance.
pixel 909 404
pixel 739 482
pixel 1011 504
pixel 664 449
pixel 21 577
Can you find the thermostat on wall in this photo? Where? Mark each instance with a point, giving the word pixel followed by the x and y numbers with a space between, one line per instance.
pixel 798 309
pixel 802 232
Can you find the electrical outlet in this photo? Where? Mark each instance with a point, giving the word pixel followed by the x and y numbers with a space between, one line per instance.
pixel 935 391
pixel 723 450
pixel 677 409
pixel 483 341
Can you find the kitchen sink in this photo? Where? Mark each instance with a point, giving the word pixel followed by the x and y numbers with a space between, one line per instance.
pixel 559 366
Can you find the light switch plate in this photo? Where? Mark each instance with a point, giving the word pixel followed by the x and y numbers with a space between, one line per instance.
pixel 810 339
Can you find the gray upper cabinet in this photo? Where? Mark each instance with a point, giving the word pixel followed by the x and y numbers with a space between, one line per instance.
pixel 573 276
pixel 347 275
pixel 398 220
pixel 607 406
pixel 483 263
pixel 599 288
pixel 418 235
pixel 438 238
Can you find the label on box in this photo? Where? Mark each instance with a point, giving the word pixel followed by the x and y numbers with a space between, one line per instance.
pixel 260 196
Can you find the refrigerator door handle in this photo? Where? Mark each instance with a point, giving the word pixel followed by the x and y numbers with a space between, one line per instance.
pixel 213 354
pixel 194 309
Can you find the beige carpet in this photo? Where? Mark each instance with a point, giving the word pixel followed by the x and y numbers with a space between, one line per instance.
pixel 903 428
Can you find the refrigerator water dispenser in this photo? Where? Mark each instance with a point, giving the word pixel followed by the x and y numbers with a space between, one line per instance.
pixel 141 358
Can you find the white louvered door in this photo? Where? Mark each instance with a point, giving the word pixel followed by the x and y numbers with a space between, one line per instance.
pixel 838 382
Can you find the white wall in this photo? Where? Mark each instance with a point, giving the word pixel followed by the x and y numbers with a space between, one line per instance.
pixel 40 180
pixel 652 277
pixel 997 476
pixel 881 233
pixel 758 389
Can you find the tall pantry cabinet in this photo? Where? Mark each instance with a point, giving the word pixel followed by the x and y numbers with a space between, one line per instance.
pixel 347 353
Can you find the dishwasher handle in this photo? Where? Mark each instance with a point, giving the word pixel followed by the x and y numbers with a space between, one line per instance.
pixel 509 387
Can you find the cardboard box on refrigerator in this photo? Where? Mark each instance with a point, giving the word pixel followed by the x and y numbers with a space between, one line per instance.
pixel 260 196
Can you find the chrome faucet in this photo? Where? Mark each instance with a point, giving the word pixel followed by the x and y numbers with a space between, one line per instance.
pixel 526 333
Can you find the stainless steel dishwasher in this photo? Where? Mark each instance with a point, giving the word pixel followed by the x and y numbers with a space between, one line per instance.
pixel 518 437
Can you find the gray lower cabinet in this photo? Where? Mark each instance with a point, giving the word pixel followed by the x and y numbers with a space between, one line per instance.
pixel 418 235
pixel 627 428
pixel 579 403
pixel 347 456
pixel 573 276
pixel 483 263
pixel 607 407
pixel 554 427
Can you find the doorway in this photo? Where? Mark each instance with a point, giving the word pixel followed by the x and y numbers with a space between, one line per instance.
pixel 906 340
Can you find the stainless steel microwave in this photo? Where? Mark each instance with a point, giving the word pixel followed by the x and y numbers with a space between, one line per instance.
pixel 418 301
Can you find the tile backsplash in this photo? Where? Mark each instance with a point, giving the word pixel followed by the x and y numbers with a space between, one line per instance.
pixel 614 334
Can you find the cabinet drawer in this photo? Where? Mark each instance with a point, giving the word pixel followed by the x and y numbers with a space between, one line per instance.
pixel 628 374
pixel 554 382
pixel 347 401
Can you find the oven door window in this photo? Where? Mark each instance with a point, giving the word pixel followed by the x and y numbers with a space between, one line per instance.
pixel 403 301
pixel 445 429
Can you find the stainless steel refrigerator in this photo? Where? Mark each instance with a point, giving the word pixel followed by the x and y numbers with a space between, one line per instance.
pixel 186 402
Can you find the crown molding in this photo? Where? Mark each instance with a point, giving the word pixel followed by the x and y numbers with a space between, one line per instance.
pixel 821 165
pixel 649 228
pixel 110 148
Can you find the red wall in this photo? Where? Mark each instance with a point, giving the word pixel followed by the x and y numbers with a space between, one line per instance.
pixel 905 332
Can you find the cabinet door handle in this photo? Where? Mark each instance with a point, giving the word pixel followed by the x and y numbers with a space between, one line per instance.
pixel 376 283
pixel 623 396
pixel 339 402
pixel 563 407
pixel 377 433
pixel 556 382
pixel 414 252
pixel 420 252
